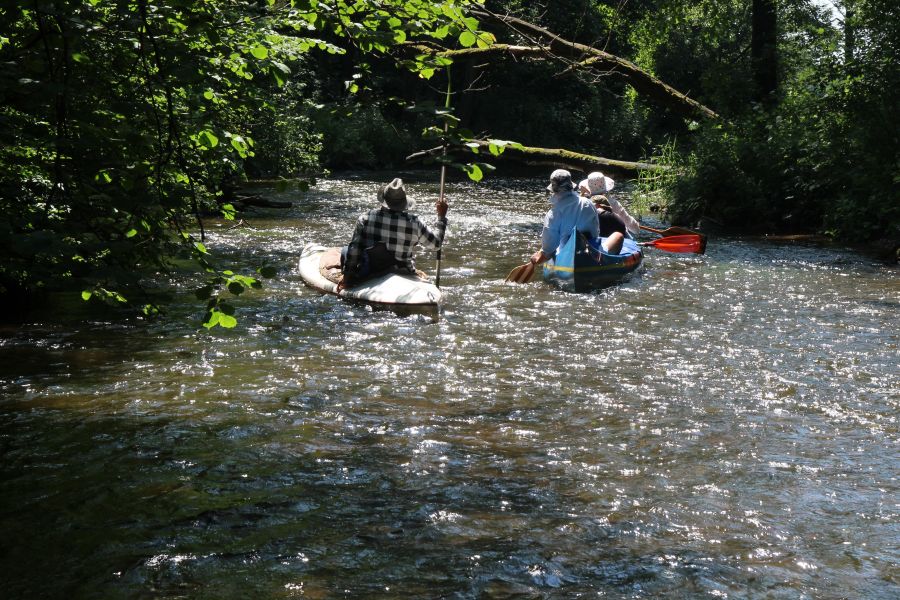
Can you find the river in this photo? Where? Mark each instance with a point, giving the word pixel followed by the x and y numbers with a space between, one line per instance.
pixel 723 425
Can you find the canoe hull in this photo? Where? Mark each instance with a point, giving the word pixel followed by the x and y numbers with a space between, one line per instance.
pixel 583 265
pixel 392 291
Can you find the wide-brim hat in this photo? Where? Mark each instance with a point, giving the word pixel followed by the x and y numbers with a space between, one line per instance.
pixel 393 195
pixel 598 183
pixel 560 180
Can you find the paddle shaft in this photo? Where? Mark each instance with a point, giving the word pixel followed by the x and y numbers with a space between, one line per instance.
pixel 674 230
pixel 437 277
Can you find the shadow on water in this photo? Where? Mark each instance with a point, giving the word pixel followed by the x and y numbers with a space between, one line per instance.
pixel 722 425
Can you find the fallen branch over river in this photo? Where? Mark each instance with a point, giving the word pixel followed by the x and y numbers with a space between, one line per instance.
pixel 555 158
pixel 544 44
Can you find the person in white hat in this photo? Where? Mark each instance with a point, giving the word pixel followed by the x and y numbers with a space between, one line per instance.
pixel 385 237
pixel 567 210
pixel 595 187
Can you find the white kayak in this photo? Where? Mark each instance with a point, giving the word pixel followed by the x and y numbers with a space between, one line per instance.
pixel 320 268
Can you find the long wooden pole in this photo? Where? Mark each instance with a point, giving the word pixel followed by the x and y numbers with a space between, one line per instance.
pixel 437 277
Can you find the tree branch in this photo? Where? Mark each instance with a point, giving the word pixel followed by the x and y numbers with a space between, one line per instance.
pixel 581 56
pixel 554 157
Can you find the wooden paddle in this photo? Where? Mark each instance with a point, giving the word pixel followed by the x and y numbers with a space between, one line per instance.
pixel 676 230
pixel 521 274
pixel 694 244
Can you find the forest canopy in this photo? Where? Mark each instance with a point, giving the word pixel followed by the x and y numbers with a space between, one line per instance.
pixel 123 123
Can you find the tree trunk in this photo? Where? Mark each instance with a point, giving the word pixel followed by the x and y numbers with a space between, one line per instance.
pixel 764 50
pixel 849 32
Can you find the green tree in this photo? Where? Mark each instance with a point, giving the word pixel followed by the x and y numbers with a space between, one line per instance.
pixel 119 121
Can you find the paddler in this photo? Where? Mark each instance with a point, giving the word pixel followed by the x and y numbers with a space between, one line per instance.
pixel 385 237
pixel 568 210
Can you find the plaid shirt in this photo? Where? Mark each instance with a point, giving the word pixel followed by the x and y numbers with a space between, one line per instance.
pixel 400 232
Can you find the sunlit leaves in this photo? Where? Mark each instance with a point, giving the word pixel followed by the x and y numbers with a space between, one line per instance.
pixel 473 171
pixel 221 315
pixel 240 144
pixel 219 311
pixel 467 39
pixel 259 51
pixel 228 212
pixel 280 72
pixel 104 295
pixel 496 147
pixel 207 139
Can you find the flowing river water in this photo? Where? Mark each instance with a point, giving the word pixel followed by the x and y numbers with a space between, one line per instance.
pixel 723 425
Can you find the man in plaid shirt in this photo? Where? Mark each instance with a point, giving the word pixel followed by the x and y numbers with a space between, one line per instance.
pixel 392 226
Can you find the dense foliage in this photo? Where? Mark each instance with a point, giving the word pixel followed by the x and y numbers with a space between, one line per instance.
pixel 819 154
pixel 824 156
pixel 121 121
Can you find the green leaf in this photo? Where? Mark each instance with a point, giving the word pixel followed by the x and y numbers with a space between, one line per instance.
pixel 131 233
pixel 259 51
pixel 474 172
pixel 208 139
pixel 268 272
pixel 86 295
pixel 237 142
pixel 212 319
pixel 227 321
pixel 486 40
pixel 235 288
pixel 467 39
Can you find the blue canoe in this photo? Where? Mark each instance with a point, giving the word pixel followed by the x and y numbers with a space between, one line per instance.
pixel 581 264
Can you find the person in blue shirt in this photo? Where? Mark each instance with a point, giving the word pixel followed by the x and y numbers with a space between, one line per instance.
pixel 568 210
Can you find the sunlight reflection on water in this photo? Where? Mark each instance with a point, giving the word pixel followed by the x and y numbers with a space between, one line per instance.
pixel 717 425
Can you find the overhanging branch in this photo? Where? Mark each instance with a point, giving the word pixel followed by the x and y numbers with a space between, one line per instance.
pixel 552 157
pixel 581 56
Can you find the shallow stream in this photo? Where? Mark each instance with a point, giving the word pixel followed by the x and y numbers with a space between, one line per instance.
pixel 725 425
